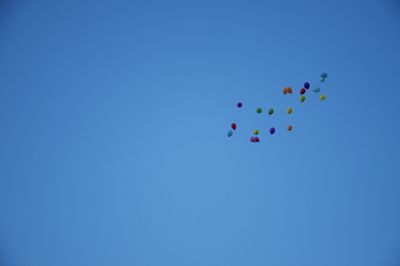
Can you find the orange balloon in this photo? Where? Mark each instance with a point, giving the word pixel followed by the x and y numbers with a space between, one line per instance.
pixel 289 128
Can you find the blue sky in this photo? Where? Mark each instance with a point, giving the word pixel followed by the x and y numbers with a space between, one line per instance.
pixel 113 147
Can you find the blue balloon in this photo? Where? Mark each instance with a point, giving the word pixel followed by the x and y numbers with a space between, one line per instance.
pixel 272 130
pixel 324 75
pixel 230 133
pixel 307 85
pixel 316 89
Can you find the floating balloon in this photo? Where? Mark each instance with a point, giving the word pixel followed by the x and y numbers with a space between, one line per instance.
pixel 317 89
pixel 302 98
pixel 287 90
pixel 230 133
pixel 322 97
pixel 306 85
pixel 270 111
pixel 289 110
pixel 289 128
pixel 302 91
pixel 324 75
pixel 259 110
pixel 239 104
pixel 256 131
pixel 233 126
pixel 254 139
pixel 272 130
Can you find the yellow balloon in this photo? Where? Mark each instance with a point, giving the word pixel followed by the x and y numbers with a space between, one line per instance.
pixel 289 110
pixel 322 97
pixel 255 131
pixel 302 98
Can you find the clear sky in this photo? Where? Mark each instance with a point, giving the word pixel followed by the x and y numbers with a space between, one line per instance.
pixel 113 121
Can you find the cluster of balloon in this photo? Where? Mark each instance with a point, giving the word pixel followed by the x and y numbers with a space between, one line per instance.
pixel 317 89
pixel 286 90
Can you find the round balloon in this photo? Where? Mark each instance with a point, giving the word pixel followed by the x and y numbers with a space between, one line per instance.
pixel 289 128
pixel 317 89
pixel 230 133
pixel 256 131
pixel 302 98
pixel 307 85
pixel 324 75
pixel 233 126
pixel 289 110
pixel 302 91
pixel 259 110
pixel 272 130
pixel 287 90
pixel 254 139
pixel 322 97
pixel 270 111
pixel 239 104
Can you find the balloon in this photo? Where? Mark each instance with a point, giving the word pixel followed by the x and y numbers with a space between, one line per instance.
pixel 230 133
pixel 322 97
pixel 302 98
pixel 289 128
pixel 239 104
pixel 317 89
pixel 307 85
pixel 302 91
pixel 270 111
pixel 259 110
pixel 289 110
pixel 256 131
pixel 324 75
pixel 254 139
pixel 272 130
pixel 287 90
pixel 233 126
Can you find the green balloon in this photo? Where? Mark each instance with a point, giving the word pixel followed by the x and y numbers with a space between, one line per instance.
pixel 302 98
pixel 255 131
pixel 270 111
pixel 259 110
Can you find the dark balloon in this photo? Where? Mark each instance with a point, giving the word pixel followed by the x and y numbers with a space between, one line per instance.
pixel 233 126
pixel 302 91
pixel 289 128
pixel 230 133
pixel 307 85
pixel 324 75
pixel 270 111
pixel 239 105
pixel 255 139
pixel 272 130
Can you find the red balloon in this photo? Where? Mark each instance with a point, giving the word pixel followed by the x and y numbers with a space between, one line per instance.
pixel 233 126
pixel 302 91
